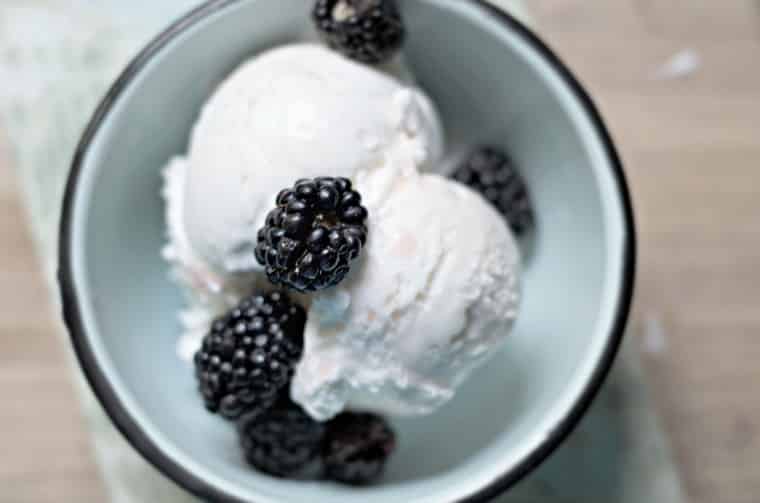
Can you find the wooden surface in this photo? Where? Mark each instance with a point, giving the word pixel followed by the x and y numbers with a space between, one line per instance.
pixel 692 152
pixel 691 147
pixel 45 452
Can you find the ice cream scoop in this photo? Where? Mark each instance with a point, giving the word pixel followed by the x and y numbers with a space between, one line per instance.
pixel 295 111
pixel 436 290
pixel 298 111
pixel 436 294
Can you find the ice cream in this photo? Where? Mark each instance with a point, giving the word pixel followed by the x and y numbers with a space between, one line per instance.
pixel 295 111
pixel 438 291
pixel 298 111
pixel 437 287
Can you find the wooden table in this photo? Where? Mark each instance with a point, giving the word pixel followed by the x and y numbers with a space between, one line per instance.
pixel 691 146
pixel 692 152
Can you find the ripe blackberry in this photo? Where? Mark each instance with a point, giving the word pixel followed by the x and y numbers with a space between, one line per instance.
pixel 281 441
pixel 492 173
pixel 315 233
pixel 356 447
pixel 369 31
pixel 250 354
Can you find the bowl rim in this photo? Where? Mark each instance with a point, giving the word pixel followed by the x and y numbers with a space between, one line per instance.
pixel 131 429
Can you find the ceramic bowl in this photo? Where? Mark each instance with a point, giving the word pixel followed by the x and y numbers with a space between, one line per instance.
pixel 493 81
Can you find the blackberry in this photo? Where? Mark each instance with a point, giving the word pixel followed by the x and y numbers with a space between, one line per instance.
pixel 369 31
pixel 317 230
pixel 281 441
pixel 356 447
pixel 250 354
pixel 492 173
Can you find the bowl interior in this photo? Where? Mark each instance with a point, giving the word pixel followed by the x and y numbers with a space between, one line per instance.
pixel 491 85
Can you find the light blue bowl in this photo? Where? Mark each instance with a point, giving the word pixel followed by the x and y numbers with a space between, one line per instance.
pixel 493 81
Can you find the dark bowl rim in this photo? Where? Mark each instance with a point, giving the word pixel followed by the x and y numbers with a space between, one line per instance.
pixel 203 489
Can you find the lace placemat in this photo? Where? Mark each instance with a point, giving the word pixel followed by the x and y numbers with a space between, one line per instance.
pixel 58 57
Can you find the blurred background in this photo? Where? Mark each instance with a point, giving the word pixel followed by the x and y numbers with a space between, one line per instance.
pixel 678 82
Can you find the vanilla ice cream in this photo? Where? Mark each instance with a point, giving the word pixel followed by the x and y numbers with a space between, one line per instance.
pixel 436 289
pixel 295 111
pixel 437 292
pixel 298 111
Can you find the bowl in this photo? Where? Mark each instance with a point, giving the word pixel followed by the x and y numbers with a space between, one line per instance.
pixel 493 81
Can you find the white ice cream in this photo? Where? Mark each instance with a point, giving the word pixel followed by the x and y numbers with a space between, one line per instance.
pixel 298 111
pixel 436 294
pixel 436 289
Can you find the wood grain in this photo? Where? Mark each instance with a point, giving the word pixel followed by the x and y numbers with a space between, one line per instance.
pixel 692 152
pixel 46 452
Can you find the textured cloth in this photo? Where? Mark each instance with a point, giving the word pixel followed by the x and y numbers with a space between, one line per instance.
pixel 57 59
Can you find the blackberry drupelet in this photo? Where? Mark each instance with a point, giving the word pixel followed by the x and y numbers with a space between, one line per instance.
pixel 356 447
pixel 492 173
pixel 250 354
pixel 317 230
pixel 281 441
pixel 369 31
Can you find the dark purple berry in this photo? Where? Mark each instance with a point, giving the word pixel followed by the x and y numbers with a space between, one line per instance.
pixel 311 239
pixel 369 31
pixel 249 354
pixel 356 447
pixel 492 173
pixel 281 441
